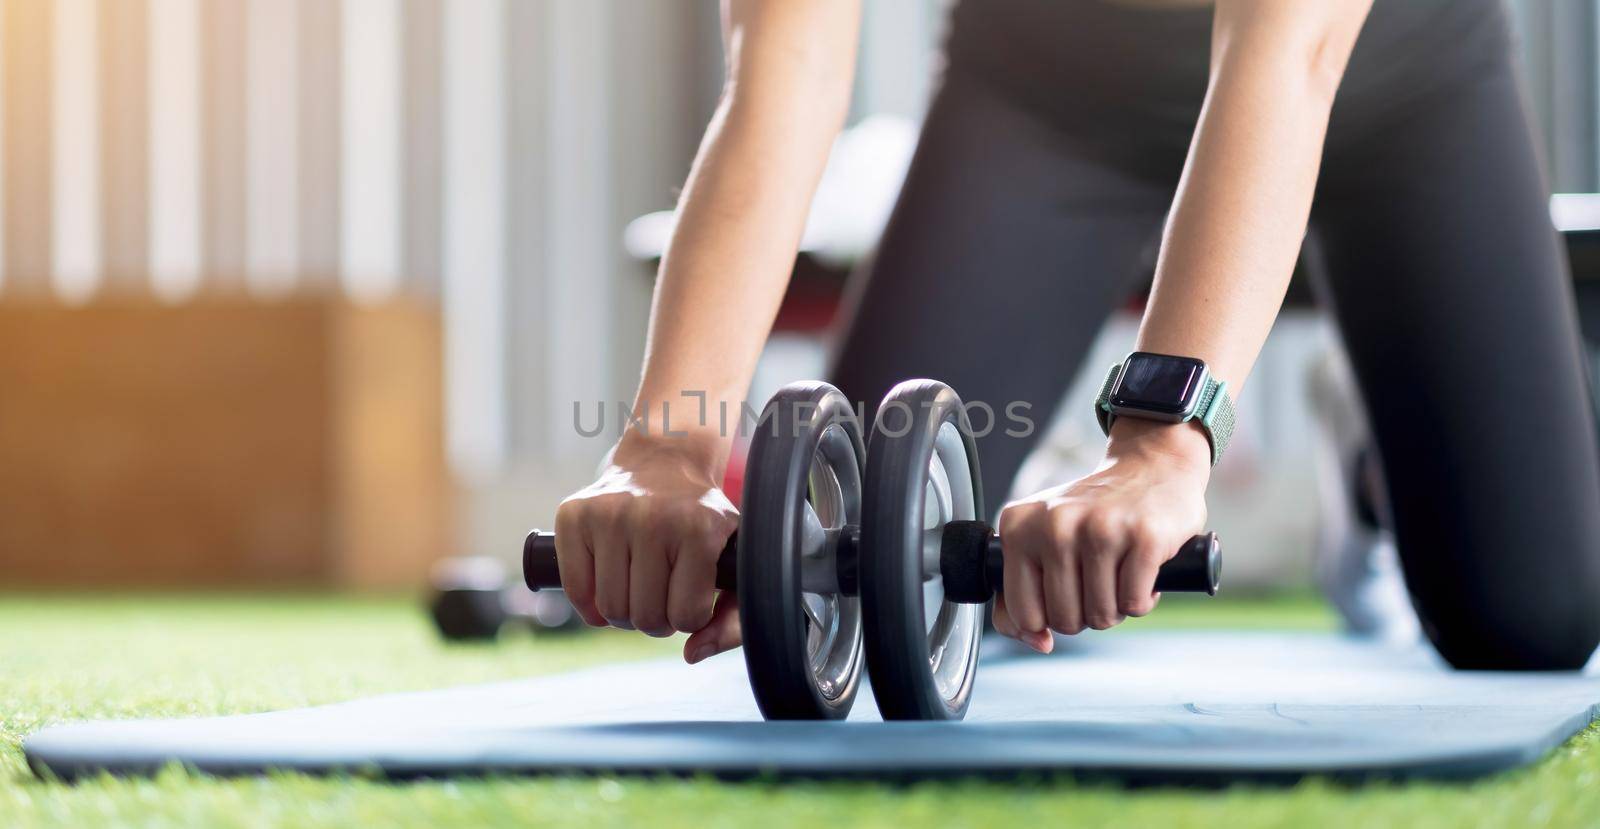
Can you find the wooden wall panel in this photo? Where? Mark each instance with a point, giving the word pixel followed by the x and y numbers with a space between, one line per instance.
pixel 391 488
pixel 146 445
pixel 220 444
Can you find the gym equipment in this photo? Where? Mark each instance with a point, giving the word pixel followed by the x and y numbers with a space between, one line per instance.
pixel 931 561
pixel 471 601
pixel 800 505
pixel 1147 707
pixel 916 560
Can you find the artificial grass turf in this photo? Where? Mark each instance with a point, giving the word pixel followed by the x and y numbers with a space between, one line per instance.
pixel 78 657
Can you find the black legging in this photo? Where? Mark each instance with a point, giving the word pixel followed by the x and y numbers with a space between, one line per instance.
pixel 1048 159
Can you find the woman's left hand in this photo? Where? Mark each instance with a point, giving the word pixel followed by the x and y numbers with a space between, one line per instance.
pixel 1086 554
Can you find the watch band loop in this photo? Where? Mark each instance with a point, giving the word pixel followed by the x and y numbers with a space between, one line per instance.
pixel 1102 403
pixel 1215 413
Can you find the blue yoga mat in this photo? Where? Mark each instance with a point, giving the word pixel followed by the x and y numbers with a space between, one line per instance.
pixel 1145 707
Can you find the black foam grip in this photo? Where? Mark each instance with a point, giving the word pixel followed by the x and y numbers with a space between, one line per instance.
pixel 972 562
pixel 540 570
pixel 847 563
pixel 1197 568
pixel 965 578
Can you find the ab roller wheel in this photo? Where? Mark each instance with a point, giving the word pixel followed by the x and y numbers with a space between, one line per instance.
pixel 802 494
pixel 930 563
pixel 840 547
pixel 922 474
pixel 792 561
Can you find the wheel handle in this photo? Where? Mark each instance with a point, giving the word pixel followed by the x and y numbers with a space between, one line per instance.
pixel 970 559
pixel 541 572
pixel 972 563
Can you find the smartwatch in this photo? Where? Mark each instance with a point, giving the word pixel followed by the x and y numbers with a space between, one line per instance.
pixel 1169 389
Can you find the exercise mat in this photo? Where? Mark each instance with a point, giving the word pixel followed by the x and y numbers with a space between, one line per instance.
pixel 1149 707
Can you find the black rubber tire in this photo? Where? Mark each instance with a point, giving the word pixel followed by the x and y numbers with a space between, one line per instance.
pixel 770 614
pixel 891 530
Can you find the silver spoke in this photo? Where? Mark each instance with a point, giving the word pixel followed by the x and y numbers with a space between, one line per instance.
pixel 813 642
pixel 823 630
pixel 952 629
pixel 939 634
pixel 812 614
pixel 937 502
pixel 941 476
pixel 932 542
pixel 813 536
pixel 832 623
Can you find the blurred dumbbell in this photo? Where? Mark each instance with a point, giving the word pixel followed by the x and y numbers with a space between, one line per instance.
pixel 472 600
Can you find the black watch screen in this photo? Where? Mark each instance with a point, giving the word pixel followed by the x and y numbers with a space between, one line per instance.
pixel 1158 383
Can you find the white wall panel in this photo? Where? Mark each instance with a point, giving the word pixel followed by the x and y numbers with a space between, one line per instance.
pixel 528 339
pixel 321 112
pixel 372 139
pixel 2 152
pixel 582 244
pixel 272 146
pixel 124 147
pixel 222 114
pixel 175 227
pixel 75 129
pixel 475 235
pixel 28 89
pixel 421 144
pixel 899 52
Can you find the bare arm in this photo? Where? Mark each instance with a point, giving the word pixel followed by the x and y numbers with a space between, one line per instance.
pixel 638 547
pixel 1087 552
pixel 1242 205
pixel 744 207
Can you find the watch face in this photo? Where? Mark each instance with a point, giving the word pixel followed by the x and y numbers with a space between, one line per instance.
pixel 1158 383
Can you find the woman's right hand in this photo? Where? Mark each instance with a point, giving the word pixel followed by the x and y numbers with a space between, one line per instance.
pixel 638 548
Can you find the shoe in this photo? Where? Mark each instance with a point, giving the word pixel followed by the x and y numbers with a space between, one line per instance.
pixel 1356 564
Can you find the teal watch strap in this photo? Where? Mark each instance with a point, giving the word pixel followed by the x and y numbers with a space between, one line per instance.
pixel 1214 411
pixel 1102 403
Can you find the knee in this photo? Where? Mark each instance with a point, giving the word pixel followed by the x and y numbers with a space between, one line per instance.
pixel 1514 593
pixel 1561 638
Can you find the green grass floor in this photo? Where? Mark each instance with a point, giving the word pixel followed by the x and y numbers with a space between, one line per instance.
pixel 75 657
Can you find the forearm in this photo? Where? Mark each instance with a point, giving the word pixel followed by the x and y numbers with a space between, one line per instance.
pixel 726 268
pixel 742 213
pixel 1242 205
pixel 1087 552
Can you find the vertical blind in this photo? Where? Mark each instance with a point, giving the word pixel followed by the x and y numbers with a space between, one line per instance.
pixel 484 152
pixel 481 153
pixel 177 146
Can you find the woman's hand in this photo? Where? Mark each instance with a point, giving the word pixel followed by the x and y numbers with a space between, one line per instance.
pixel 638 548
pixel 1086 554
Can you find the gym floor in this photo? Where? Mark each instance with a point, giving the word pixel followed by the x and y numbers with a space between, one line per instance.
pixel 80 656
